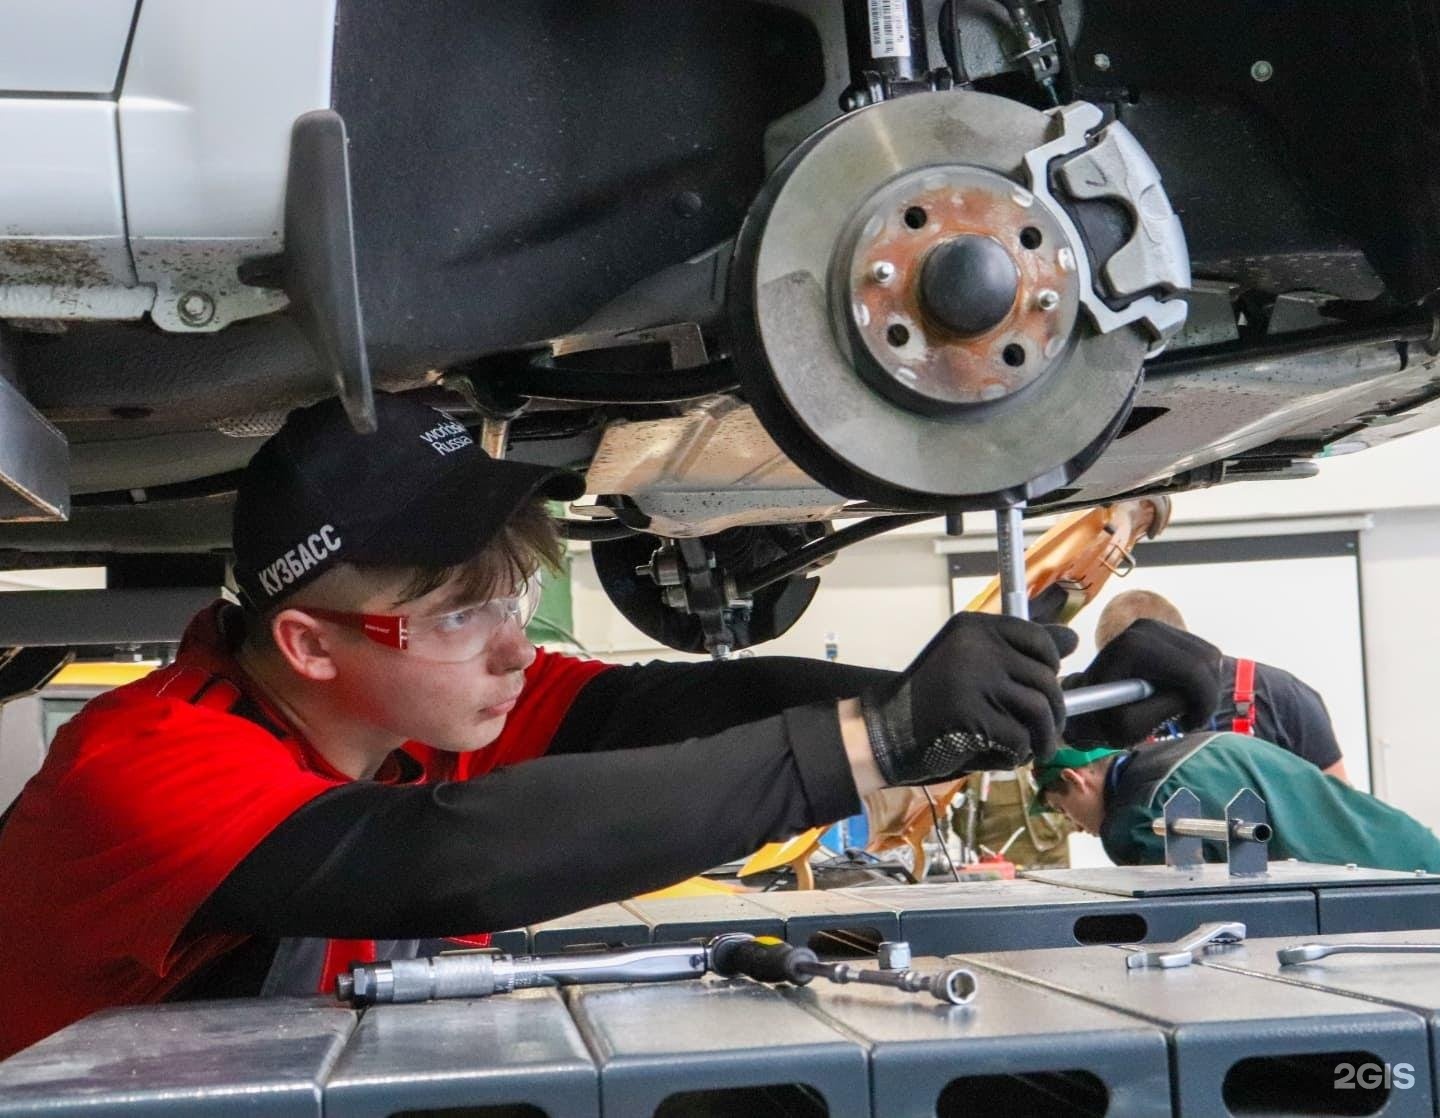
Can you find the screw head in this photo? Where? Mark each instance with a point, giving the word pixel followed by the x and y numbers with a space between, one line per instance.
pixel 1101 61
pixel 1047 299
pixel 1262 71
pixel 882 271
pixel 195 308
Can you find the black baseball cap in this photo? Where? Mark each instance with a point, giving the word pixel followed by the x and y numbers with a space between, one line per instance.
pixel 417 492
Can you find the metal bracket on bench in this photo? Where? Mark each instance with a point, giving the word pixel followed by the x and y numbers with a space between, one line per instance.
pixel 1245 830
pixel 1182 952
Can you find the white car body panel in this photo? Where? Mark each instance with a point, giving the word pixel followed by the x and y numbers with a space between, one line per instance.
pixel 63 46
pixel 163 193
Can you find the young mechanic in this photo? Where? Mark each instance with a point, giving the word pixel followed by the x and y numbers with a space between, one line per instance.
pixel 1117 793
pixel 258 814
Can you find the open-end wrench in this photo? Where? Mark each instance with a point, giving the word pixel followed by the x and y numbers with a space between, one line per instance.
pixel 1309 952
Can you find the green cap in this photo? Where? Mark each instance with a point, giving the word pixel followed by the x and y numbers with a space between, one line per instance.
pixel 1066 757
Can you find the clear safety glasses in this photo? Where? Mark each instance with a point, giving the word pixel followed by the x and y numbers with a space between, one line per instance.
pixel 458 634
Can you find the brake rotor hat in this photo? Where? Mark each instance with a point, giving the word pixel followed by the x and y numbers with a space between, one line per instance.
pixel 418 492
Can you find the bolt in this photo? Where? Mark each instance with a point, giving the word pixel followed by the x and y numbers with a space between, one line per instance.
pixel 1102 61
pixel 895 955
pixel 195 308
pixel 882 271
pixel 1262 71
pixel 1047 299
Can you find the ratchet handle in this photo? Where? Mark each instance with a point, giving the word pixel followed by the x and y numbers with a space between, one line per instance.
pixel 763 958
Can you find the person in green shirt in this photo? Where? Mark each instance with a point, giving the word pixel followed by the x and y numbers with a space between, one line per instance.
pixel 1117 793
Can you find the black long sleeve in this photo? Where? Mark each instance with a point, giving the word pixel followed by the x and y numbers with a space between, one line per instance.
pixel 660 702
pixel 538 839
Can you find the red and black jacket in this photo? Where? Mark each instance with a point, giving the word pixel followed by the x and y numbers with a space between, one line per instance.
pixel 180 841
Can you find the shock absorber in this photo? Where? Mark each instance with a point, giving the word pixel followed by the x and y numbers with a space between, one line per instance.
pixel 888 55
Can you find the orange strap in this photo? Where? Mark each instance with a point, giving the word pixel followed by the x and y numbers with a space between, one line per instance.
pixel 1244 722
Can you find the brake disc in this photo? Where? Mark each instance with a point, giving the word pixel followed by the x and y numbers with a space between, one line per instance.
pixel 917 319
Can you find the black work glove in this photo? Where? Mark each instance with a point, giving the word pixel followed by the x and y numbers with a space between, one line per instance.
pixel 1184 669
pixel 982 695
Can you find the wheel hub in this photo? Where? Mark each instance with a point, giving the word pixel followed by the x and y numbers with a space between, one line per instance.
pixel 961 289
pixel 915 317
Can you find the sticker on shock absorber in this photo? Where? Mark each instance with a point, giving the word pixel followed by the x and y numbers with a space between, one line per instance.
pixel 889 29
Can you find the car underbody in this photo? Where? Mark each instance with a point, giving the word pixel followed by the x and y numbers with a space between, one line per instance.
pixel 756 269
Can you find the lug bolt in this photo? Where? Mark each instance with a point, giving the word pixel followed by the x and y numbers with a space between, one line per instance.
pixel 195 308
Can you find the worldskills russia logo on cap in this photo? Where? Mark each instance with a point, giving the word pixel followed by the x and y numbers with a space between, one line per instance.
pixel 447 437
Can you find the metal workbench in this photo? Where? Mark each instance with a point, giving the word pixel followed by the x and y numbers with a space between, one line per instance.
pixel 230 1058
pixel 982 915
pixel 1050 1026
pixel 1239 1043
pixel 1017 1049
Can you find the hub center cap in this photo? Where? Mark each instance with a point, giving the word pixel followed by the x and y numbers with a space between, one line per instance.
pixel 968 285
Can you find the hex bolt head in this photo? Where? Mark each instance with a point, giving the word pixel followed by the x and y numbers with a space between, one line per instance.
pixel 894 955
pixel 1101 61
pixel 1047 299
pixel 1262 71
pixel 195 308
pixel 882 271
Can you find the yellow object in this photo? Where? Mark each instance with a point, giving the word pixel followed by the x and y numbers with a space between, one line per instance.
pixel 100 675
pixel 775 855
pixel 691 887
